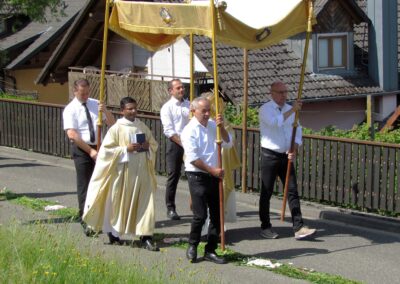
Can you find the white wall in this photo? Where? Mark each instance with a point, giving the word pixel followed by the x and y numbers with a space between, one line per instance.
pixel 343 114
pixel 175 61
pixel 119 53
pixel 172 61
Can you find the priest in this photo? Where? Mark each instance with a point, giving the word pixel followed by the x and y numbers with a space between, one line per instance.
pixel 120 199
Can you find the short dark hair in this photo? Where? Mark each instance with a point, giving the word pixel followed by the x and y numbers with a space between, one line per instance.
pixel 170 83
pixel 125 101
pixel 81 82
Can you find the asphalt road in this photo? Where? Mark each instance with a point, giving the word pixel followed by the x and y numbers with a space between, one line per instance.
pixel 362 248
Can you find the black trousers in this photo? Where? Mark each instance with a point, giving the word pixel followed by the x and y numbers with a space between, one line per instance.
pixel 84 166
pixel 174 165
pixel 274 164
pixel 204 192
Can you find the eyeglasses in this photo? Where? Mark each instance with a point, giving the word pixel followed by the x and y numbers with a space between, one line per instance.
pixel 280 92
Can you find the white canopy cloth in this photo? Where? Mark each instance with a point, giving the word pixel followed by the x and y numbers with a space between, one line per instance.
pixel 255 24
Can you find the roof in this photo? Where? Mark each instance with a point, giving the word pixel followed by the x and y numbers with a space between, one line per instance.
pixel 83 41
pixel 351 6
pixel 361 32
pixel 82 44
pixel 39 35
pixel 277 62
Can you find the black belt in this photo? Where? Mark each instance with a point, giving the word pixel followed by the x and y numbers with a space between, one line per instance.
pixel 200 174
pixel 274 153
pixel 91 146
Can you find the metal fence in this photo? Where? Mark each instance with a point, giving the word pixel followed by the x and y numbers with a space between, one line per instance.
pixel 346 172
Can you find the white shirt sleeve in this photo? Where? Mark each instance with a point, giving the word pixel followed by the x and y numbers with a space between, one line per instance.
pixel 166 120
pixel 70 120
pixel 298 139
pixel 189 142
pixel 229 144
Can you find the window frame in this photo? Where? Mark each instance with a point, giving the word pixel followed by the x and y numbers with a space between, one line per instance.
pixel 345 51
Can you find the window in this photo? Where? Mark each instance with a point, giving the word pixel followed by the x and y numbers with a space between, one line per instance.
pixel 332 51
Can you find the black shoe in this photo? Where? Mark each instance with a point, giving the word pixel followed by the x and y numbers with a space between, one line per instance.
pixel 149 245
pixel 191 253
pixel 213 257
pixel 171 214
pixel 113 239
pixel 89 232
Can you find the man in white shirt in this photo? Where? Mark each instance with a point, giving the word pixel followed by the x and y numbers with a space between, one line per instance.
pixel 174 117
pixel 79 118
pixel 201 166
pixel 276 126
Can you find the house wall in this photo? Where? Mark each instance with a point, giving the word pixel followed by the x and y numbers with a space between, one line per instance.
pixel 51 93
pixel 119 54
pixel 172 61
pixel 343 114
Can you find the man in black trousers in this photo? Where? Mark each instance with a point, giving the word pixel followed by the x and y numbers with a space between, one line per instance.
pixel 79 118
pixel 201 166
pixel 276 124
pixel 174 117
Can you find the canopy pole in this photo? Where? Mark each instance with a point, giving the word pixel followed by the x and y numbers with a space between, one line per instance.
pixel 102 74
pixel 244 118
pixel 299 94
pixel 219 141
pixel 191 68
pixel 191 96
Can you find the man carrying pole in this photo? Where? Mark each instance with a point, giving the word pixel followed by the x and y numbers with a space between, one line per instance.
pixel 276 119
pixel 79 117
pixel 203 173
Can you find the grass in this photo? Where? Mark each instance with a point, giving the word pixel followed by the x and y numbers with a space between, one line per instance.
pixel 285 269
pixel 47 273
pixel 39 204
pixel 18 97
pixel 33 254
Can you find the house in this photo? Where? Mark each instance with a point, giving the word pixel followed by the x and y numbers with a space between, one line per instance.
pixel 337 80
pixel 28 50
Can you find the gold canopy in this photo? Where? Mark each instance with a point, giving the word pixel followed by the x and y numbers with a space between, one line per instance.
pixel 156 25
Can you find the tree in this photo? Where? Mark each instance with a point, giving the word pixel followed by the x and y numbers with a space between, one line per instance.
pixel 34 9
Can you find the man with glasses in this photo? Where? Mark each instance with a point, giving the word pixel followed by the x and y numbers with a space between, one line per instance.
pixel 276 124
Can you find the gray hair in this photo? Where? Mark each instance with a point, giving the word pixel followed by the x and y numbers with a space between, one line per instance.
pixel 195 103
pixel 207 95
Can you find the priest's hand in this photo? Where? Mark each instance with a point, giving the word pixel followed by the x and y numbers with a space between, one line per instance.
pixel 145 145
pixel 133 147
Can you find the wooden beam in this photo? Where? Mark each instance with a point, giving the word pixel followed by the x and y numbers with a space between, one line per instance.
pixel 392 119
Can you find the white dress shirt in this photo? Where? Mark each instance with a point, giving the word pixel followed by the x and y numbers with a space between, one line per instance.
pixel 276 133
pixel 174 116
pixel 199 143
pixel 74 117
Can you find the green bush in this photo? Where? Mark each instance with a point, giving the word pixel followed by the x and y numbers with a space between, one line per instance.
pixel 361 132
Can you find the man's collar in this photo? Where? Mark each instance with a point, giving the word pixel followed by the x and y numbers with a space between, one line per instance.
pixel 176 101
pixel 197 122
pixel 276 106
